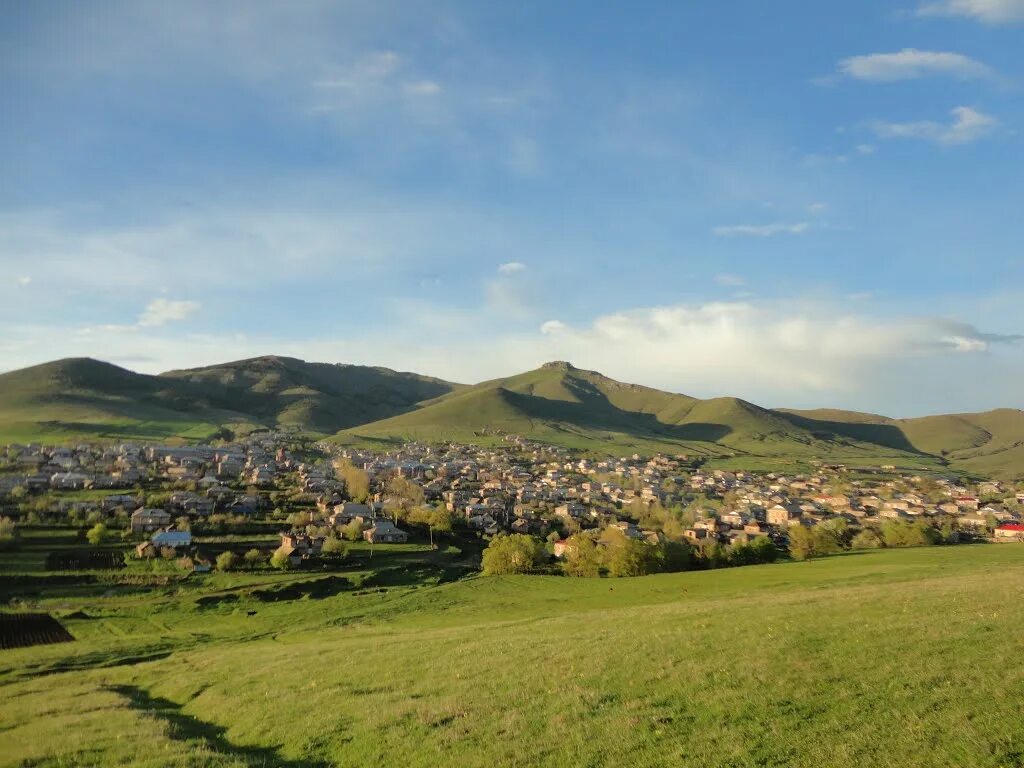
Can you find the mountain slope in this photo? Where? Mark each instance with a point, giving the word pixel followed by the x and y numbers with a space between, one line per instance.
pixel 81 397
pixel 317 396
pixel 988 443
pixel 561 404
pixel 75 397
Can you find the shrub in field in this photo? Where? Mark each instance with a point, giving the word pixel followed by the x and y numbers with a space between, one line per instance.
pixel 516 553
pixel 227 561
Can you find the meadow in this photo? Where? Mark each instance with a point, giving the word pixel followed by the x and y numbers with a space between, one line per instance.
pixel 882 658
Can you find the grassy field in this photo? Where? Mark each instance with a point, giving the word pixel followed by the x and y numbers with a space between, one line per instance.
pixel 887 658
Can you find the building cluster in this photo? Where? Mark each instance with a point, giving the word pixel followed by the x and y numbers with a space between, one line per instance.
pixel 517 486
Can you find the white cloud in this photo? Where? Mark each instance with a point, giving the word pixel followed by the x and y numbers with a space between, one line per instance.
pixel 163 311
pixel 24 280
pixel 552 326
pixel 511 267
pixel 989 11
pixel 910 64
pixel 968 125
pixel 422 88
pixel 761 230
pixel 817 208
pixel 785 352
pixel 730 280
pixel 866 149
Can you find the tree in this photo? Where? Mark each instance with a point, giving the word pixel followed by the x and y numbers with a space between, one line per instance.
pixel 357 482
pixel 764 549
pixel 402 496
pixel 281 559
pixel 227 561
pixel 437 519
pixel 334 548
pixel 831 536
pixel 18 493
pixel 352 531
pixel 97 534
pixel 581 557
pixel 801 543
pixel 253 557
pixel 867 539
pixel 515 553
pixel 8 533
pixel 624 556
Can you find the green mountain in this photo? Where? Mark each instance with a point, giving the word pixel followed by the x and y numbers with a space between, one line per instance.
pixel 989 443
pixel 561 404
pixel 557 403
pixel 81 397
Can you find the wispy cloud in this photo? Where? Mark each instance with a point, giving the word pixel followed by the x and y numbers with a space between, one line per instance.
pixel 24 280
pixel 911 64
pixel 163 311
pixel 988 11
pixel 968 125
pixel 730 280
pixel 511 267
pixel 761 230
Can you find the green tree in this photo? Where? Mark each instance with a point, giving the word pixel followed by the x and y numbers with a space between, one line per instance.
pixel 253 557
pixel 334 548
pixel 352 530
pixel 831 536
pixel 8 533
pixel 281 559
pixel 97 534
pixel 867 539
pixel 624 556
pixel 403 496
pixel 516 553
pixel 802 543
pixel 357 482
pixel 581 557
pixel 764 549
pixel 227 561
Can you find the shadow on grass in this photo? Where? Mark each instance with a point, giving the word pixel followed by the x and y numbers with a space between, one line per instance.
pixel 184 727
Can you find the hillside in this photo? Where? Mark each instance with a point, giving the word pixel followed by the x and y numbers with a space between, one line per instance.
pixel 989 443
pixel 561 404
pixel 321 397
pixel 793 664
pixel 80 398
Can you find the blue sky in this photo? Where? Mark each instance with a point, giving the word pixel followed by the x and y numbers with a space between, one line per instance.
pixel 800 204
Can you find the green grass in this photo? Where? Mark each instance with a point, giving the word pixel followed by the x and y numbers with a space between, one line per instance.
pixel 887 658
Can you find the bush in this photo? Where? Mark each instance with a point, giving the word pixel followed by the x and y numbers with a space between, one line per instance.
pixel 581 557
pixel 281 559
pixel 352 531
pixel 516 553
pixel 253 558
pixel 867 539
pixel 227 561
pixel 97 534
pixel 8 533
pixel 334 548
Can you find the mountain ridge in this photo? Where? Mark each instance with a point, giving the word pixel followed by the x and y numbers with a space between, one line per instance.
pixel 78 398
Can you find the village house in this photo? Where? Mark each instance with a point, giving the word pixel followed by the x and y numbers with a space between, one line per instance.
pixel 383 531
pixel 1009 532
pixel 146 520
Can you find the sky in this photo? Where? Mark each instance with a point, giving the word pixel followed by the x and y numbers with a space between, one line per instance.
pixel 801 204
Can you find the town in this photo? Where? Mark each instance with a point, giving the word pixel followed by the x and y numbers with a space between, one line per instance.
pixel 300 498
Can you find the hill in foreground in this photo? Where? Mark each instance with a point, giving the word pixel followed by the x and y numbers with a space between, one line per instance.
pixel 796 664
